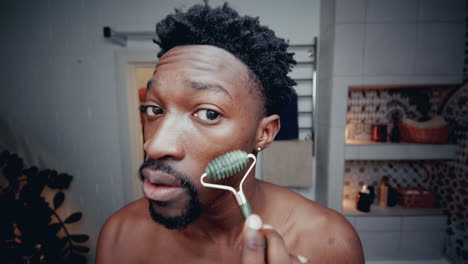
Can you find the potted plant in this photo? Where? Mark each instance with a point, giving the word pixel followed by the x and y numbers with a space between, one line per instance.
pixel 31 230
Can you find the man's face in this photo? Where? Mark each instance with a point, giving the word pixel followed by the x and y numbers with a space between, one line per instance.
pixel 199 105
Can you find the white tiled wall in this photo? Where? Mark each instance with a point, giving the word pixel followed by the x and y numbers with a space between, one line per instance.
pixel 400 237
pixel 441 10
pixel 379 42
pixel 377 223
pixel 426 244
pixel 396 11
pixel 440 55
pixel 419 223
pixel 349 49
pixel 389 49
pixel 380 245
pixel 350 11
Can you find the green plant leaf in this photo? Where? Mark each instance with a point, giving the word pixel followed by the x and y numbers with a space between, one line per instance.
pixel 13 167
pixel 80 249
pixel 3 157
pixel 31 172
pixel 55 228
pixel 30 218
pixel 64 180
pixel 79 238
pixel 58 199
pixel 76 258
pixel 75 217
pixel 62 242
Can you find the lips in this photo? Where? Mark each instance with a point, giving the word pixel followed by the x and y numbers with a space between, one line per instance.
pixel 159 186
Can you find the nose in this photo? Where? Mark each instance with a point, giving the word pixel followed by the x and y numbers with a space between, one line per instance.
pixel 163 139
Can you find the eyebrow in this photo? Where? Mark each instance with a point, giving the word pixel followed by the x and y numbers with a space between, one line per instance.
pixel 207 86
pixel 151 83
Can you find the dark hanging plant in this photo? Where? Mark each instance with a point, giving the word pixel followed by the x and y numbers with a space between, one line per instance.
pixel 30 229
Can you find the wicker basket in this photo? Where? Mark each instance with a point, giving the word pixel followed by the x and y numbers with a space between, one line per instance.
pixel 438 135
pixel 415 197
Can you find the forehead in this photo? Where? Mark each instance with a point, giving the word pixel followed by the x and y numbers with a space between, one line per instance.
pixel 201 63
pixel 203 66
pixel 207 56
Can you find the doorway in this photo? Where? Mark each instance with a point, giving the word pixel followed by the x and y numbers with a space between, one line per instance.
pixel 134 68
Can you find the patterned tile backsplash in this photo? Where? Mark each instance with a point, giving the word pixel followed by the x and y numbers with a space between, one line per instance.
pixel 368 107
pixel 400 174
pixel 448 179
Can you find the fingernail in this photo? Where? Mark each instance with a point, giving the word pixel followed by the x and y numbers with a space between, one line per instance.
pixel 302 259
pixel 266 226
pixel 254 222
pixel 254 240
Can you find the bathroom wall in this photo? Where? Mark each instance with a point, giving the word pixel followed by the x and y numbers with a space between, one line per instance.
pixel 446 178
pixel 378 42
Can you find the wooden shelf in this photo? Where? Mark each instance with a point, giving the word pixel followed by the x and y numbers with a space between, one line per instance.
pixel 367 150
pixel 411 86
pixel 349 209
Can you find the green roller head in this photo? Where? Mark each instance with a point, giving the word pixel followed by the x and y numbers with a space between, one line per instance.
pixel 227 165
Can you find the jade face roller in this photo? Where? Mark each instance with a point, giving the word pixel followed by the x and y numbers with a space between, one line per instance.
pixel 224 167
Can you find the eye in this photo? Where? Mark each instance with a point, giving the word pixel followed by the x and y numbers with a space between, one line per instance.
pixel 151 110
pixel 207 115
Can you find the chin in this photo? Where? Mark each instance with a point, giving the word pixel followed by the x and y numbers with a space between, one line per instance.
pixel 166 209
pixel 174 218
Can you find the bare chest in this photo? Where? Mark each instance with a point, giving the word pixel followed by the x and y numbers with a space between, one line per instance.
pixel 167 250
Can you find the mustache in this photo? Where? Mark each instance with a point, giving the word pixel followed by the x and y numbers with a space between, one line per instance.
pixel 166 168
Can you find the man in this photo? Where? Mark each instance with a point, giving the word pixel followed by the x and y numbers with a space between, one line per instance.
pixel 218 86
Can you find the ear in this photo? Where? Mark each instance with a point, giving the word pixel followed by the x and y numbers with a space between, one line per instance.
pixel 268 127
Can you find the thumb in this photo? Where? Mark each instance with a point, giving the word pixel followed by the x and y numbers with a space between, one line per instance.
pixel 253 250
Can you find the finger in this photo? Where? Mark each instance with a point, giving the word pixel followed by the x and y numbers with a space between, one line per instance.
pixel 276 248
pixel 253 249
pixel 294 260
pixel 298 259
pixel 266 229
pixel 303 259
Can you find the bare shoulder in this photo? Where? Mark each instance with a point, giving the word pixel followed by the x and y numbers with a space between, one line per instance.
pixel 312 230
pixel 333 235
pixel 117 232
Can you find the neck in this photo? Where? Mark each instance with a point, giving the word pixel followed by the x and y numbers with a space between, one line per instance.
pixel 222 222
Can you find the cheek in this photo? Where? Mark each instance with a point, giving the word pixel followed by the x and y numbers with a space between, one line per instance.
pixel 203 145
pixel 209 143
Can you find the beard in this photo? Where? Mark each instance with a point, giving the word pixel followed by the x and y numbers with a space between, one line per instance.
pixel 192 208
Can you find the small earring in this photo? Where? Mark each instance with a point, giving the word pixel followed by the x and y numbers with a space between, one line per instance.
pixel 259 149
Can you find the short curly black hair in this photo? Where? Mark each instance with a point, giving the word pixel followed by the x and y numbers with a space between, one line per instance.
pixel 255 45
